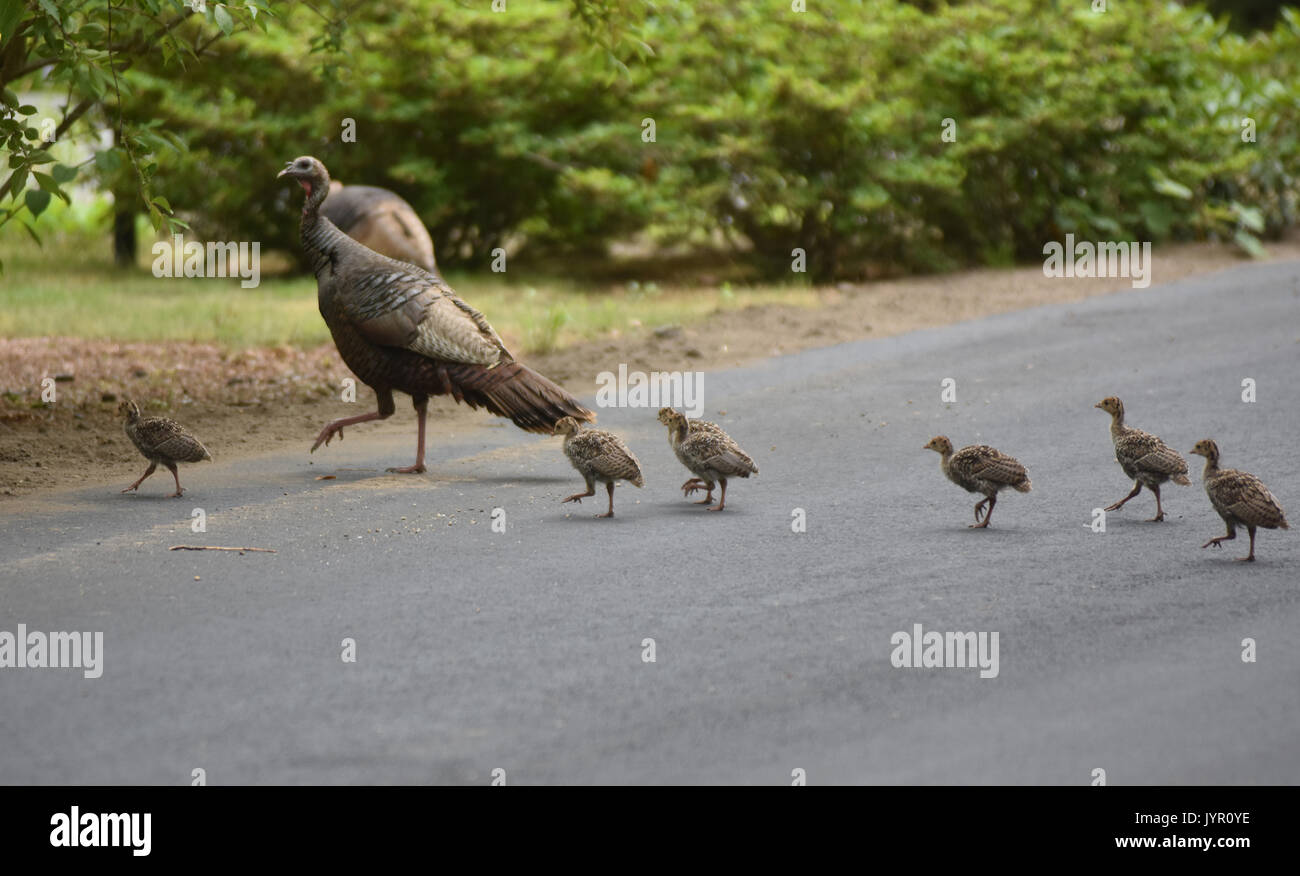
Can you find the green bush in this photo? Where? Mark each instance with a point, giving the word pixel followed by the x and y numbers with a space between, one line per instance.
pixel 774 129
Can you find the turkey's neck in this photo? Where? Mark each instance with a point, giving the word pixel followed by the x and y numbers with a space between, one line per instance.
pixel 320 236
pixel 1211 467
pixel 1117 423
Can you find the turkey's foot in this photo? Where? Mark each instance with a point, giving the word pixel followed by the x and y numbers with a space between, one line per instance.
pixel 418 468
pixel 335 427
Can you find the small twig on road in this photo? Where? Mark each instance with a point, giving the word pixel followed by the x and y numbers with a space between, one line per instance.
pixel 211 547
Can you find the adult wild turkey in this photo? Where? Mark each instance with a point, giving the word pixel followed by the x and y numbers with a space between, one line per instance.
pixel 400 327
pixel 381 220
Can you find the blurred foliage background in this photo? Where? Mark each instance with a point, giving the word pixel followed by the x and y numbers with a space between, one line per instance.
pixel 529 128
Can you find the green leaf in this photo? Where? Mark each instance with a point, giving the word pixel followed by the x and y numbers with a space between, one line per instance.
pixel 62 173
pixel 224 21
pixel 108 161
pixel 27 110
pixel 1250 243
pixel 1166 186
pixel 51 10
pixel 37 200
pixel 1251 217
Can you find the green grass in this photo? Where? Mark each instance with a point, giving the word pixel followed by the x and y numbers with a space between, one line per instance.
pixel 70 288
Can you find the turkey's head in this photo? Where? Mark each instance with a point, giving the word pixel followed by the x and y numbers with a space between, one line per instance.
pixel 674 420
pixel 1207 448
pixel 1111 405
pixel 939 444
pixel 566 426
pixel 128 409
pixel 310 174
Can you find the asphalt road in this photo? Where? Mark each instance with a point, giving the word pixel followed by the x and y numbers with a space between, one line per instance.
pixel 522 650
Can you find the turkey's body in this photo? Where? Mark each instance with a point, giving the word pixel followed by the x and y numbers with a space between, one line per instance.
pixel 1240 498
pixel 599 456
pixel 163 442
pixel 1148 461
pixel 399 327
pixel 708 452
pixel 982 469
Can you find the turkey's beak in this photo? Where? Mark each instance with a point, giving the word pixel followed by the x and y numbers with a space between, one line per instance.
pixel 1097 405
pixel 286 170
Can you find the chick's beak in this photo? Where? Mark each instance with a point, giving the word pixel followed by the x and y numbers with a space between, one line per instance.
pixel 286 170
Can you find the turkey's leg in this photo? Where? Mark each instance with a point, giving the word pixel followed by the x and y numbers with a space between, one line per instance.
pixel 1249 558
pixel 1232 533
pixel 421 412
pixel 609 486
pixel 1160 511
pixel 386 408
pixel 988 515
pixel 695 484
pixel 722 502
pixel 153 466
pixel 578 497
pixel 978 507
pixel 180 491
pixel 1137 488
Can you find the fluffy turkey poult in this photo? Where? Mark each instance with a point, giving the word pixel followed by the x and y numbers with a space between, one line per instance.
pixel 161 441
pixel 980 469
pixel 381 220
pixel 598 456
pixel 1146 459
pixel 1240 498
pixel 399 327
pixel 707 452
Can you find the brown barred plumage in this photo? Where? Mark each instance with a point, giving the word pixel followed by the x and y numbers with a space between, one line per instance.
pixel 980 469
pixel 1146 459
pixel 399 327
pixel 598 456
pixel 1240 498
pixel 707 452
pixel 161 441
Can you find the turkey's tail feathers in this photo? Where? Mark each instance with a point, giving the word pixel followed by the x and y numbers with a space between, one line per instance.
pixel 1180 479
pixel 1024 486
pixel 517 392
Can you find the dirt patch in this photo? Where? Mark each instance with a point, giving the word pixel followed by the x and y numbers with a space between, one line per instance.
pixel 253 401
